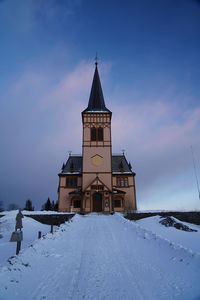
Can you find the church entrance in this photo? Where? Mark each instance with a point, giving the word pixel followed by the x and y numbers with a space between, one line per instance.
pixel 97 202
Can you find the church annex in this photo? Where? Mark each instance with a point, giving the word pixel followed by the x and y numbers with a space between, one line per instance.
pixel 97 181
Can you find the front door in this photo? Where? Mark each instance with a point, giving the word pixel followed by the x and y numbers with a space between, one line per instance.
pixel 97 202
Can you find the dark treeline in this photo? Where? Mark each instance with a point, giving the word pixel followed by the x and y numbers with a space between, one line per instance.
pixel 48 205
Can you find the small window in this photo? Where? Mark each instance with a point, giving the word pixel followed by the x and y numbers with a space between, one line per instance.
pixel 101 187
pixel 122 181
pixel 118 181
pixel 100 134
pixel 117 203
pixel 93 134
pixel 97 187
pixel 77 203
pixel 94 187
pixel 71 181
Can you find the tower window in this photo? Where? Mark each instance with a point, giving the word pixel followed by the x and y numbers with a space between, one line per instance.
pixel 93 134
pixel 96 134
pixel 100 134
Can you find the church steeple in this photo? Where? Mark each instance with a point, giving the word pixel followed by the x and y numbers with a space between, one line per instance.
pixel 96 101
pixel 96 180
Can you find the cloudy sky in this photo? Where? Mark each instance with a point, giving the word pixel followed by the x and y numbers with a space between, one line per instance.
pixel 149 64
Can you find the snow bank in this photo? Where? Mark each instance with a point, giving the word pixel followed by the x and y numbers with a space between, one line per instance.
pixel 30 233
pixel 102 257
pixel 189 240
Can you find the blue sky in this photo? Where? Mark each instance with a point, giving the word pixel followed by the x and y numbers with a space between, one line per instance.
pixel 150 71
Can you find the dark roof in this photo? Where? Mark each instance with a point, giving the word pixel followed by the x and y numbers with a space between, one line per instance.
pixel 119 165
pixel 96 101
pixel 116 191
pixel 76 192
pixel 73 165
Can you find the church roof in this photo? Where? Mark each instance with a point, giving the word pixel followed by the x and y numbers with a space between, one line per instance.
pixel 74 165
pixel 120 165
pixel 76 192
pixel 96 101
pixel 76 162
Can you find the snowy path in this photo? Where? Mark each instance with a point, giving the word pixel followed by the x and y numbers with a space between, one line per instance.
pixel 102 257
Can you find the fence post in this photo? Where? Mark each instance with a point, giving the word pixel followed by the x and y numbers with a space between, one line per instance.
pixel 18 247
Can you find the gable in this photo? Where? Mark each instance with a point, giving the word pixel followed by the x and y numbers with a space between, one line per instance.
pixel 97 184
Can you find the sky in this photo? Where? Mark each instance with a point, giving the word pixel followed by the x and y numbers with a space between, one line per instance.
pixel 148 53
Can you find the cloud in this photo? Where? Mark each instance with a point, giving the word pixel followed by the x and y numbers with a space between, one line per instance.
pixel 26 14
pixel 157 135
pixel 42 119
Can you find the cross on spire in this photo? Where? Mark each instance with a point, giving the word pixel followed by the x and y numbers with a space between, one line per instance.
pixel 96 59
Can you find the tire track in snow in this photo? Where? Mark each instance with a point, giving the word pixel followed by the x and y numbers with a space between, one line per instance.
pixel 106 257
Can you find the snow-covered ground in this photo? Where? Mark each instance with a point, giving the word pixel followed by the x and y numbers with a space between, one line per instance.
pixel 30 233
pixel 103 257
pixel 189 240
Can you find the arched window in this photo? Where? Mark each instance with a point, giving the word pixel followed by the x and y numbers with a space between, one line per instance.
pixel 93 134
pixel 100 134
pixel 96 134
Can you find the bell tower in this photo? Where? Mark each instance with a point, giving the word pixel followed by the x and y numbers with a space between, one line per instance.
pixel 96 144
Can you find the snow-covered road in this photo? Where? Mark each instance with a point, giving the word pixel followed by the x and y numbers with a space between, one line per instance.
pixel 102 257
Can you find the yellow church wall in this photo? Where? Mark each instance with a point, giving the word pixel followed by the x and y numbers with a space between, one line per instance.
pixel 64 201
pixel 64 198
pixel 89 177
pixel 63 181
pixel 130 199
pixel 107 134
pixel 88 164
pixel 86 134
pixel 87 138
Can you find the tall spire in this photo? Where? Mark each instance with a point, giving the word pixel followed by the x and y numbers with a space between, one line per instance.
pixel 96 100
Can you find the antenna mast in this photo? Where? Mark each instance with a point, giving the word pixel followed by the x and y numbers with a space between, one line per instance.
pixel 195 172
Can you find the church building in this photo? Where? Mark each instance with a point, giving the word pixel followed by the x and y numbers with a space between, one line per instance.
pixel 97 181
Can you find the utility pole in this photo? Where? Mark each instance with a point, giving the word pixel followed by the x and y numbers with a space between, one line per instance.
pixel 195 171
